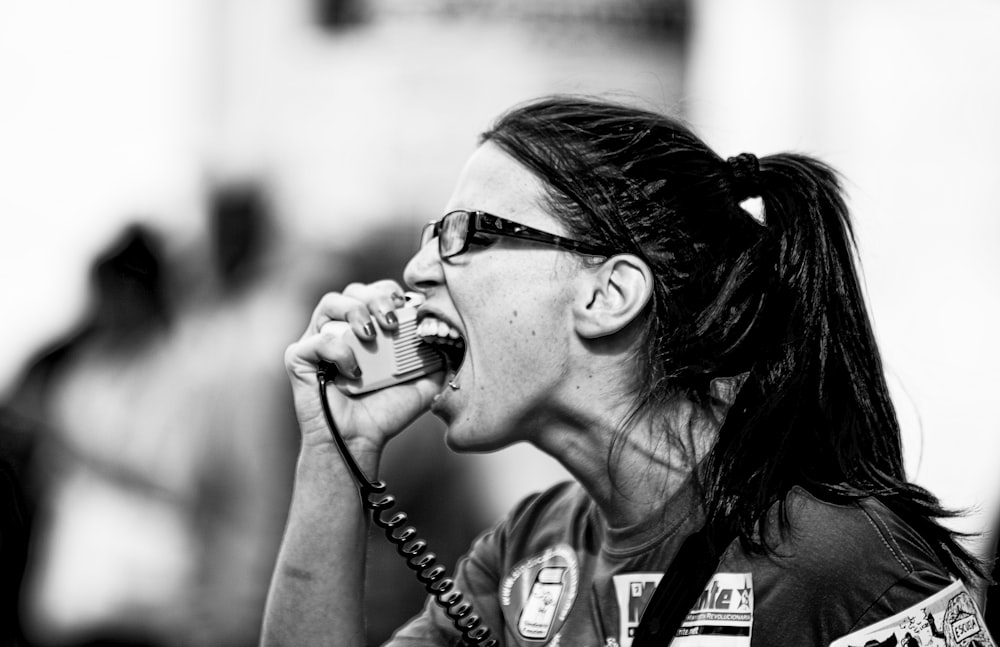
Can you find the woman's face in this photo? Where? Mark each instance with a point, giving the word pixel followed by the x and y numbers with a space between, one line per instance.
pixel 510 303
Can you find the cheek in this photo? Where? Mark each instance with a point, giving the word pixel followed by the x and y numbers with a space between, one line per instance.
pixel 520 312
pixel 527 342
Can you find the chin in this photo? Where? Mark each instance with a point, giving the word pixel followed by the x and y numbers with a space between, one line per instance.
pixel 471 437
pixel 460 442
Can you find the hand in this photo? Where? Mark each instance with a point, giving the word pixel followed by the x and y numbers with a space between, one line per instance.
pixel 368 421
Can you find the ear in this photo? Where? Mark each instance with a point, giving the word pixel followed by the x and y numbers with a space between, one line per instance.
pixel 612 296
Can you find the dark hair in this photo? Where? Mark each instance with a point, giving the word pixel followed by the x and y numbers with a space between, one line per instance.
pixel 777 306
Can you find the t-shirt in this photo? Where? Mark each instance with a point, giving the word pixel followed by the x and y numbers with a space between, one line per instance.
pixel 552 574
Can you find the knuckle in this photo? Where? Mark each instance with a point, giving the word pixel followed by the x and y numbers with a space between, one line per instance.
pixel 329 298
pixel 355 289
pixel 291 354
pixel 327 303
pixel 387 287
pixel 329 333
pixel 377 297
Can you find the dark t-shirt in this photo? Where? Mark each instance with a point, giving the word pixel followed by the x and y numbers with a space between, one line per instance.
pixel 551 574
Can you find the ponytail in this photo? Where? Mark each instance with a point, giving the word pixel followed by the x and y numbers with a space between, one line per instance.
pixel 814 409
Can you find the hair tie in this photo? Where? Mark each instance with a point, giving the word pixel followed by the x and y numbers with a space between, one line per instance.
pixel 744 171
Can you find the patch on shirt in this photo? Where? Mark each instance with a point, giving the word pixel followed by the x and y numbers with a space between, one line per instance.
pixel 633 591
pixel 949 618
pixel 539 592
pixel 721 617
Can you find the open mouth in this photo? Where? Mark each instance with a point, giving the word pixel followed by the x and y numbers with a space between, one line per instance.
pixel 445 338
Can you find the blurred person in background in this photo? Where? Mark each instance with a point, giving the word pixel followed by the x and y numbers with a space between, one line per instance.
pixel 129 313
pixel 164 478
pixel 17 501
pixel 710 379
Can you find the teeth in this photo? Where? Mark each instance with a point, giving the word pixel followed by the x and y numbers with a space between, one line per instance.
pixel 438 331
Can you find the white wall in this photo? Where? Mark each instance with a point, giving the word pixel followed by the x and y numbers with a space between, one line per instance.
pixel 101 121
pixel 903 97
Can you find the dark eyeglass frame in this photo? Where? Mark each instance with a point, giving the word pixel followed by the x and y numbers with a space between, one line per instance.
pixel 480 223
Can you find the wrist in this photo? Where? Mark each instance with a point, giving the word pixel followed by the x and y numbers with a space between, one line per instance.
pixel 320 451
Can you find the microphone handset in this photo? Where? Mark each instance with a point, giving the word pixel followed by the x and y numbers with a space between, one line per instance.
pixel 394 357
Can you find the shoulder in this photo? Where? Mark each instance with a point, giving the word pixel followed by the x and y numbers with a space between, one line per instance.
pixel 834 568
pixel 561 508
pixel 559 519
pixel 857 542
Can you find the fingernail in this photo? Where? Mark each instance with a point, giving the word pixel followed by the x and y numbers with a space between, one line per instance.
pixel 370 329
pixel 391 318
pixel 398 299
pixel 357 372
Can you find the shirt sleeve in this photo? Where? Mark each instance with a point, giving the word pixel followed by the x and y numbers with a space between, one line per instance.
pixel 819 618
pixel 840 568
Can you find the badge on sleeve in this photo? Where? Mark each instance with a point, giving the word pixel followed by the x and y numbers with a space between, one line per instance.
pixel 949 618
pixel 539 592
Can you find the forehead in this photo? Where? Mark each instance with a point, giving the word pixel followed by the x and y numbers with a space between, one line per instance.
pixel 493 181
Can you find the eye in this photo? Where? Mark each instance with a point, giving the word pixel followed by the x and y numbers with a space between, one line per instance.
pixel 482 240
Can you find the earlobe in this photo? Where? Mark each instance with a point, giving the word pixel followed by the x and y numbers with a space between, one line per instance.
pixel 612 296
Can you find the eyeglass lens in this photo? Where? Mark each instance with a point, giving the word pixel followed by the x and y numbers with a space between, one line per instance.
pixel 453 232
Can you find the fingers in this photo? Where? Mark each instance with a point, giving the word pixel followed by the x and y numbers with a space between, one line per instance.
pixel 335 306
pixel 362 306
pixel 327 345
pixel 381 297
pixel 359 308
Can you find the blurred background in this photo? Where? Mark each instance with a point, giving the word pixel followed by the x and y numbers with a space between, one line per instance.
pixel 181 179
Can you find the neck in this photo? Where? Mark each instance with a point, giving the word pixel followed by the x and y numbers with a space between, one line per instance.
pixel 638 472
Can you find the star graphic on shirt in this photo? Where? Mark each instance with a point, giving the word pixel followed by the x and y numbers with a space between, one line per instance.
pixel 744 595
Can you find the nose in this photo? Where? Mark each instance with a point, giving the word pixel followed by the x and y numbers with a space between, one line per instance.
pixel 424 270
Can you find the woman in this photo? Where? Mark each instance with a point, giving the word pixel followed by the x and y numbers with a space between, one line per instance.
pixel 701 374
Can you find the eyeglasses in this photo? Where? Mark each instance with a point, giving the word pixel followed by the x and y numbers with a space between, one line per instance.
pixel 458 230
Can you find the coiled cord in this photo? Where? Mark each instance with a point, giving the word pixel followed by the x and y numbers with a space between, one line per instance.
pixel 408 545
